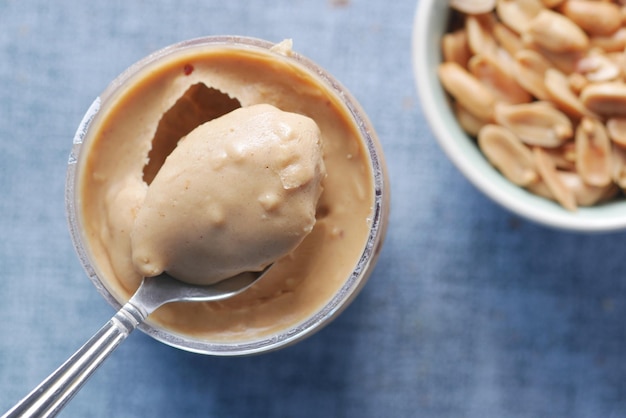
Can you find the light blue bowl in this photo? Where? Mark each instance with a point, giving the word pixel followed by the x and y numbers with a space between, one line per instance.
pixel 430 23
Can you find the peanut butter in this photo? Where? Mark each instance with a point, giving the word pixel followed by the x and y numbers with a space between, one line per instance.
pixel 127 136
pixel 236 194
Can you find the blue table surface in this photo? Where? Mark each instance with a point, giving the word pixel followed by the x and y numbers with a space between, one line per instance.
pixel 471 311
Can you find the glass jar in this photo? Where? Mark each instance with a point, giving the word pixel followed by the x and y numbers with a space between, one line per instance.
pixel 89 193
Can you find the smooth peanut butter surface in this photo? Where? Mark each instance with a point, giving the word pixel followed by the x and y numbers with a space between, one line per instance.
pixel 140 125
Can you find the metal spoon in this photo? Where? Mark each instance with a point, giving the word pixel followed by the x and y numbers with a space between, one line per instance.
pixel 47 399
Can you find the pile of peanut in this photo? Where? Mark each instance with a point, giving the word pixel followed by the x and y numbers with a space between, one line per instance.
pixel 541 85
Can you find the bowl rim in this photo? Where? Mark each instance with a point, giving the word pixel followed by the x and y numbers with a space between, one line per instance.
pixel 455 143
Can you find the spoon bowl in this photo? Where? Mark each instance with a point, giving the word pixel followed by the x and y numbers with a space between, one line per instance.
pixel 159 290
pixel 56 390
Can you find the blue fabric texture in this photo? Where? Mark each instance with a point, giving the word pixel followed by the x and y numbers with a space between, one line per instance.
pixel 471 311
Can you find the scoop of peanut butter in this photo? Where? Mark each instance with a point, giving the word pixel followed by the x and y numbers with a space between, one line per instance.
pixel 236 194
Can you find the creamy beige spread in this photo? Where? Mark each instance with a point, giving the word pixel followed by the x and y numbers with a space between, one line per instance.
pixel 141 124
pixel 236 194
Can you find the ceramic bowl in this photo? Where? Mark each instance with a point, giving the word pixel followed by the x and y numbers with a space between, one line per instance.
pixel 430 23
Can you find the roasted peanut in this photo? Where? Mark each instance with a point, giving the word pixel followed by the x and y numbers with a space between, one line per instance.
pixel 585 194
pixel 615 42
pixel 616 127
pixel 473 7
pixel 555 32
pixel 559 89
pixel 469 123
pixel 508 154
pixel 549 174
pixel 541 86
pixel 618 166
pixel 530 69
pixel 599 67
pixel 467 90
pixel 455 48
pixel 595 18
pixel 537 123
pixel 480 34
pixel 593 152
pixel 605 99
pixel 517 14
pixel 507 39
pixel 492 72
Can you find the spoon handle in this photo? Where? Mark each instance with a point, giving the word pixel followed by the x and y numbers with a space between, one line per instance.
pixel 47 399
